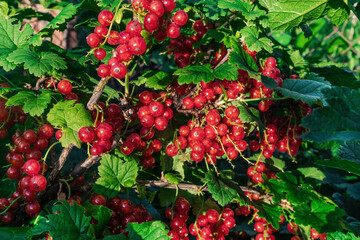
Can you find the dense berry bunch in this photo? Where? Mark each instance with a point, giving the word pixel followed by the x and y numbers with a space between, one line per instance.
pixel 65 87
pixel 154 113
pixel 213 225
pixel 123 212
pixel 28 168
pixel 178 216
pixel 9 116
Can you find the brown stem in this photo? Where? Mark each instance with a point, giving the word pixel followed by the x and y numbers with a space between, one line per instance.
pixel 38 83
pixel 98 90
pixel 224 59
pixel 60 163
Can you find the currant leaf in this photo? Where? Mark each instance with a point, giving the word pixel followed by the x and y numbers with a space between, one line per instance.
pixel 14 233
pixel 70 223
pixel 101 214
pixel 194 74
pixel 147 231
pixel 156 80
pixel 222 193
pixel 34 104
pixel 11 39
pixel 226 71
pixel 116 172
pixel 254 42
pixel 246 9
pixel 308 91
pixel 37 64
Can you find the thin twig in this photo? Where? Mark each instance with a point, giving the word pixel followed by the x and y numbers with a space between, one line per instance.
pixel 60 163
pixel 98 90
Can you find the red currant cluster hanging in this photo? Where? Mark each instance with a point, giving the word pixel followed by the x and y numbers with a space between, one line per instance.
pixel 29 173
pixel 212 225
pixel 123 212
pixel 9 116
pixel 178 216
pixel 154 112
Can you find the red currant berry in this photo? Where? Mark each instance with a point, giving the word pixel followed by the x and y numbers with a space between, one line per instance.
pixel 64 86
pixel 180 18
pixel 105 17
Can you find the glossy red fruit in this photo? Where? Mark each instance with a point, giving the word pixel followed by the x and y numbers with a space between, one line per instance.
pixel 99 53
pixel 184 130
pixel 41 143
pixel 148 162
pixel 161 123
pixel 37 183
pixel 71 96
pixel 46 131
pixel 13 172
pixel 101 31
pixel 173 30
pixel 93 40
pixel 29 135
pixel 33 154
pixel 58 134
pixel 28 195
pixel 105 17
pixel 86 134
pixel 180 17
pixel 104 131
pixel 292 227
pixel 147 133
pixel 137 45
pixel 96 150
pixel 4 203
pixel 98 199
pixel 113 38
pixel 156 108
pixel 64 86
pixel 171 150
pixel 123 53
pixel 125 207
pixel 127 148
pixel 151 22
pixel 134 28
pixel 31 167
pixel 104 70
pixel 118 70
pixel 157 8
pixel 200 101
pixel 33 209
pixel 188 103
pixel 169 5
pixel 212 216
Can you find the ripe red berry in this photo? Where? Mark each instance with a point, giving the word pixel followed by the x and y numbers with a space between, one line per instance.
pixel 118 70
pixel 98 199
pixel 173 30
pixel 101 31
pixel 29 135
pixel 169 5
pixel 180 17
pixel 37 183
pixel 64 86
pixel 151 22
pixel 86 134
pixel 137 45
pixel 123 53
pixel 105 17
pixel 157 8
pixel 127 148
pixel 188 103
pixel 100 53
pixel 134 28
pixel 93 40
pixel 46 131
pixel 31 167
pixel 33 209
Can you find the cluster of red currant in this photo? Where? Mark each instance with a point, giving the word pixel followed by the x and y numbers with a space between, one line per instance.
pixel 219 136
pixel 293 228
pixel 9 116
pixel 154 112
pixel 123 212
pixel 182 47
pixel 65 87
pixel 29 173
pixel 212 225
pixel 178 216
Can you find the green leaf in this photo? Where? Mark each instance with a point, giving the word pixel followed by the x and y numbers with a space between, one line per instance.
pixel 34 104
pixel 11 39
pixel 156 80
pixel 337 11
pixel 253 42
pixel 270 213
pixel 321 215
pixel 338 163
pixel 243 60
pixel 217 34
pixel 283 15
pixel 115 172
pixel 58 23
pixel 246 9
pixel 101 214
pixel 155 230
pixel 37 64
pixel 338 120
pixel 308 91
pixel 226 71
pixel 69 224
pixel 341 236
pixel 219 191
pixel 268 82
pixel 295 59
pixel 350 151
pixel 337 76
pixel 312 172
pixel 13 233
pixel 116 237
pixel 70 117
pixel 194 74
